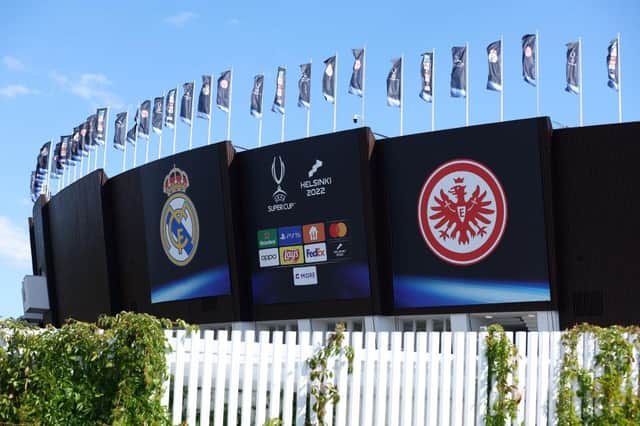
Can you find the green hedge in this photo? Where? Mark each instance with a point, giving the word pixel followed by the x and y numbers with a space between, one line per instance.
pixel 111 372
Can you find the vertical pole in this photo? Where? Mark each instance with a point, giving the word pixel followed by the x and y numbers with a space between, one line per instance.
pixel 124 153
pixel 146 154
pixel 537 74
pixel 135 146
pixel 401 94
pixel 106 139
pixel 230 104
pixel 466 83
pixel 335 93
pixel 49 161
pixel 364 79
pixel 193 100
pixel 210 111
pixel 619 82
pixel 81 162
pixel 580 76
pixel 502 78
pixel 175 119
pixel 161 130
pixel 88 169
pixel 309 108
pixel 433 89
pixel 259 132
pixel 282 128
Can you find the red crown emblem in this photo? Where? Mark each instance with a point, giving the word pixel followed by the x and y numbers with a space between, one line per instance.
pixel 458 180
pixel 176 180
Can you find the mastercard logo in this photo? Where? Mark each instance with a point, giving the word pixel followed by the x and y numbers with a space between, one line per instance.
pixel 338 230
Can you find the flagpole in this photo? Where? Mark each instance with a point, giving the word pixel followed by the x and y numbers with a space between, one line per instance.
pixel 502 78
pixel 49 160
pixel 309 108
pixel 580 76
pixel 210 111
pixel 146 154
pixel 193 99
pixel 124 154
pixel 401 94
pixel 88 169
pixel 161 130
pixel 364 70
pixel 106 138
pixel 335 93
pixel 175 119
pixel 537 74
pixel 230 102
pixel 135 146
pixel 466 84
pixel 433 89
pixel 619 82
pixel 282 128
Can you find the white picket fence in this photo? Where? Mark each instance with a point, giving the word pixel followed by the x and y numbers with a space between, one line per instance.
pixel 423 378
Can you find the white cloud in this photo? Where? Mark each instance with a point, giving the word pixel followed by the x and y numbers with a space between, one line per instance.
pixel 180 19
pixel 233 21
pixel 13 90
pixel 13 63
pixel 92 87
pixel 15 248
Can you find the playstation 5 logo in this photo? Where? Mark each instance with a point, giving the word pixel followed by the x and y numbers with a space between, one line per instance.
pixel 280 194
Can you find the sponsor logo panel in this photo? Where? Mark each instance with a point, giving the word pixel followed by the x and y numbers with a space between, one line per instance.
pixel 313 233
pixel 290 235
pixel 339 250
pixel 267 238
pixel 305 275
pixel 315 252
pixel 338 229
pixel 292 255
pixel 268 257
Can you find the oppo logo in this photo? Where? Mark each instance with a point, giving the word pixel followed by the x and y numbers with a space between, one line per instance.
pixel 268 257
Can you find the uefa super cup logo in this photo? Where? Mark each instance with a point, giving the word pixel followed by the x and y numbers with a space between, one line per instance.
pixel 280 194
pixel 179 228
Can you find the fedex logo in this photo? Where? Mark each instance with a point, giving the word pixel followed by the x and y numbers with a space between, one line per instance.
pixel 315 252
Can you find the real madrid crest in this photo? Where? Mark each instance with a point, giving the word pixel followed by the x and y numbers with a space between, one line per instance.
pixel 179 228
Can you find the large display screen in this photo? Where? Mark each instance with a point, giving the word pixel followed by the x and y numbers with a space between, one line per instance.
pixel 466 214
pixel 305 205
pixel 185 228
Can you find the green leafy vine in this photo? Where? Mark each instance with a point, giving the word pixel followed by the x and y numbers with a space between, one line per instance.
pixel 111 372
pixel 604 391
pixel 502 360
pixel 322 388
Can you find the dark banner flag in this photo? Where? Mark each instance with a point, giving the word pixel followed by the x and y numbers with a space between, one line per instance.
pixel 101 119
pixel 329 79
pixel 170 116
pixel 56 164
pixel 92 122
pixel 76 153
pixel 529 58
pixel 186 106
pixel 65 150
pixel 357 74
pixel 33 187
pixel 281 82
pixel 613 66
pixel 573 72
pixel 145 118
pixel 304 86
pixel 223 97
pixel 426 73
pixel 43 159
pixel 84 139
pixel 494 58
pixel 204 99
pixel 132 134
pixel 394 83
pixel 256 96
pixel 120 133
pixel 459 72
pixel 156 115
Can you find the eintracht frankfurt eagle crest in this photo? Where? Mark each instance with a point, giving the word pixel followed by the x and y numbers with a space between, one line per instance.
pixel 462 212
pixel 179 228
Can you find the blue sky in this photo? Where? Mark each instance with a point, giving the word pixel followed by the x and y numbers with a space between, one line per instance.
pixel 61 60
